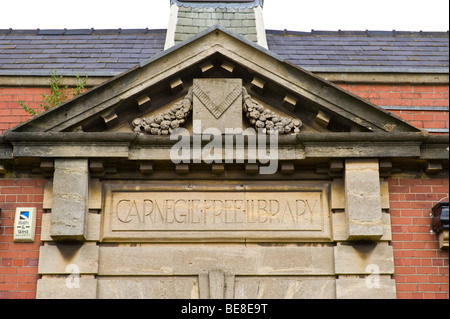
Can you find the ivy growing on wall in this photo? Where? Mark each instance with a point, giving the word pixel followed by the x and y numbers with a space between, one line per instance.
pixel 58 94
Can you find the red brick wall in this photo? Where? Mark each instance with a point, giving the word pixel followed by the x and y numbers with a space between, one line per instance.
pixel 409 96
pixel 11 113
pixel 19 261
pixel 421 268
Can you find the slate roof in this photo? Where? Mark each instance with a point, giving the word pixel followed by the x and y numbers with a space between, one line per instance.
pixel 84 52
pixel 222 4
pixel 110 52
pixel 365 51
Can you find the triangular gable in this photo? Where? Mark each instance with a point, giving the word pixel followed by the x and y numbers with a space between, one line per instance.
pixel 167 77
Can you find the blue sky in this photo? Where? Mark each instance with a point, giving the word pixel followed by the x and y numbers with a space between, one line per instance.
pixel 298 15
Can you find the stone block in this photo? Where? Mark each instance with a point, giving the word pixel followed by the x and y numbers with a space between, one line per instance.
pixel 184 21
pixel 94 195
pixel 340 227
pixel 67 259
pixel 227 66
pixel 143 101
pixel 228 16
pixel 258 85
pixel 364 232
pixel 337 195
pixel 286 287
pixel 231 259
pixel 368 258
pixel 382 287
pixel 48 198
pixel 249 23
pixel 70 199
pixel 200 23
pixel 225 23
pixel 190 15
pixel 322 119
pixel 211 22
pixel 217 15
pixel 45 227
pixel 70 287
pixel 193 29
pixel 290 100
pixel 92 231
pixel 362 200
pixel 216 271
pixel 205 15
pixel 384 195
pixel 243 30
pixel 218 103
pixel 243 16
pixel 216 284
pixel 158 287
pixel 252 37
pixel 224 286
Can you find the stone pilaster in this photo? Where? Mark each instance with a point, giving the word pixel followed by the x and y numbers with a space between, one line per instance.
pixel 364 271
pixel 68 271
pixel 70 200
pixel 363 200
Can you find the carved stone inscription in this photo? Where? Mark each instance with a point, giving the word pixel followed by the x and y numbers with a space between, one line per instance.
pixel 209 211
pixel 200 214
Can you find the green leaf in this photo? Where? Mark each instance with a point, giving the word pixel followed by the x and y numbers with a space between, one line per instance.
pixel 58 94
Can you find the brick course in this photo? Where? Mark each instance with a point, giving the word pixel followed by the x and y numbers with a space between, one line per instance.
pixel 423 96
pixel 19 261
pixel 11 113
pixel 421 268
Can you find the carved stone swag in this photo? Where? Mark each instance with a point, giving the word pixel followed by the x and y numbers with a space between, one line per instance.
pixel 259 117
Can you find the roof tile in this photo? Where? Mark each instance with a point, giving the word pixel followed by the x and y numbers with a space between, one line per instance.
pixel 108 52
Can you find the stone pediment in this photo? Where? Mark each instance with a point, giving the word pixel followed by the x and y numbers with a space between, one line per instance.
pixel 268 84
pixel 215 103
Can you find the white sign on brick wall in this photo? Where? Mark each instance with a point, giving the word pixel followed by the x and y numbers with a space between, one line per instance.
pixel 25 224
